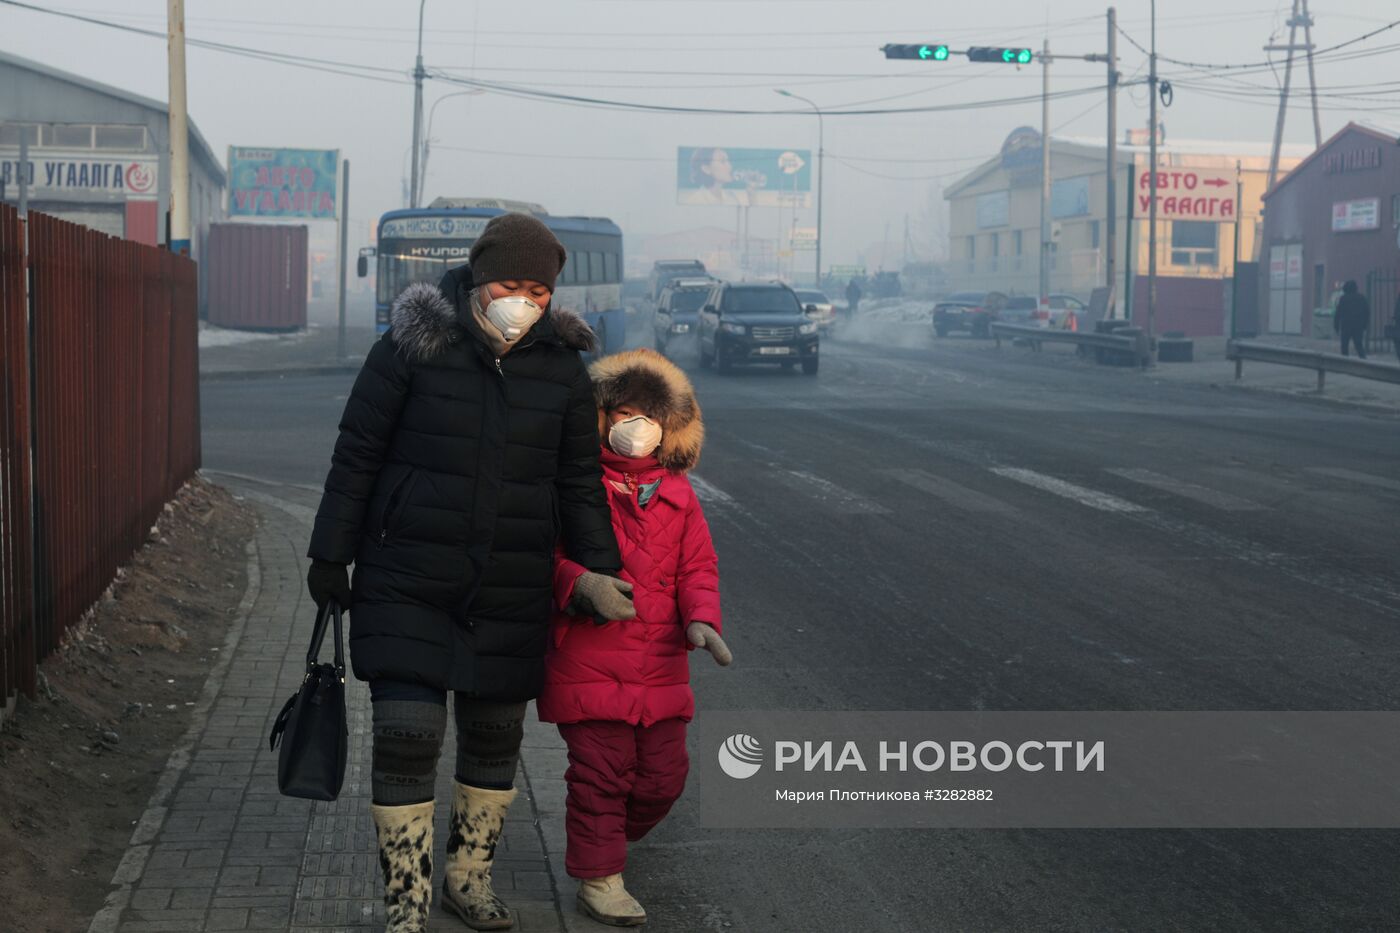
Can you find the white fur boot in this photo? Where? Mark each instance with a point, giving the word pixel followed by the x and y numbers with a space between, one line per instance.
pixel 406 859
pixel 478 814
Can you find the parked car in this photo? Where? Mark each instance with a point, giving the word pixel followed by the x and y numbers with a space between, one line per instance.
pixel 1064 312
pixel 752 322
pixel 678 311
pixel 1068 312
pixel 970 311
pixel 1024 310
pixel 666 271
pixel 818 307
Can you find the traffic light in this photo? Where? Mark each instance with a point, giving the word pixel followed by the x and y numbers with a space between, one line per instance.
pixel 983 53
pixel 925 51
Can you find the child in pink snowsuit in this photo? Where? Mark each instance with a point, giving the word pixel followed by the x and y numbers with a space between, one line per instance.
pixel 620 689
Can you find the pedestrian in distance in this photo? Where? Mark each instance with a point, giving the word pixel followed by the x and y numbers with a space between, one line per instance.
pixel 620 691
pixel 468 447
pixel 1395 327
pixel 1352 319
pixel 853 296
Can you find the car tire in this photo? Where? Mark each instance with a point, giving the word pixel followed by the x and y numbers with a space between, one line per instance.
pixel 941 330
pixel 706 360
pixel 660 346
pixel 809 366
pixel 723 363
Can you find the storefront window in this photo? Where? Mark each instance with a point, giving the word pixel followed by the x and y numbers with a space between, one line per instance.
pixel 1195 243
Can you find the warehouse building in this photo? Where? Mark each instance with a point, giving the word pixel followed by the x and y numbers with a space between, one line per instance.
pixel 994 223
pixel 1335 217
pixel 99 155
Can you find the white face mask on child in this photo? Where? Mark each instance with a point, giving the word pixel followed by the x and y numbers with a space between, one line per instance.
pixel 637 436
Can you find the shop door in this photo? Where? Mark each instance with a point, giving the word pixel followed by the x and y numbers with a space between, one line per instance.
pixel 1286 289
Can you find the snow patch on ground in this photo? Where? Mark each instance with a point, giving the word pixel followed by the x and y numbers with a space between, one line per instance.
pixel 898 310
pixel 211 336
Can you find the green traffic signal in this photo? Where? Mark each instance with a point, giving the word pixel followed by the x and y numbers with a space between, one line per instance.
pixel 928 51
pixel 1023 56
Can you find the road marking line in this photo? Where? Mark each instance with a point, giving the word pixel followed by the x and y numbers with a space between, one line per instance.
pixel 1203 494
pixel 710 494
pixel 843 500
pixel 1366 479
pixel 950 492
pixel 1081 494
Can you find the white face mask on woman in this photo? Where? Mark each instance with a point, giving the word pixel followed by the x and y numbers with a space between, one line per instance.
pixel 637 436
pixel 512 315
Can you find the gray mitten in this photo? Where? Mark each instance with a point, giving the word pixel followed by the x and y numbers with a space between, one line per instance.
pixel 605 597
pixel 701 635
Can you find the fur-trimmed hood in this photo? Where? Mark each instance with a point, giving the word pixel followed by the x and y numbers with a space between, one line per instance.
pixel 425 322
pixel 653 383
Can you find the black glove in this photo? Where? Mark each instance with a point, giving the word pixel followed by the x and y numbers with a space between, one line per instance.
pixel 327 581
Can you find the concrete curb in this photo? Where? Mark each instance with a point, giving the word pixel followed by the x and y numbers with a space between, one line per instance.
pixel 1325 401
pixel 325 369
pixel 133 862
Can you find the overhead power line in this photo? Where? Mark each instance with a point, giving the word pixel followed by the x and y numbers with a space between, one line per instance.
pixel 1216 66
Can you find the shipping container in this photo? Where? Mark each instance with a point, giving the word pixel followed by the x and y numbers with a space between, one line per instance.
pixel 257 276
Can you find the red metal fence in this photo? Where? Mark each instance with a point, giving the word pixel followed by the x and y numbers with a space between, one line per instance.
pixel 104 397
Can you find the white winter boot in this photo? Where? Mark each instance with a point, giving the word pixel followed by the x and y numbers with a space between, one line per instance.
pixel 405 836
pixel 607 901
pixel 478 814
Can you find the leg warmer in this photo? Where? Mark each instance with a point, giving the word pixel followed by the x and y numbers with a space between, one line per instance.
pixel 488 741
pixel 407 742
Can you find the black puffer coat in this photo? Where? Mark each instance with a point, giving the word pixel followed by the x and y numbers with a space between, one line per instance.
pixel 452 477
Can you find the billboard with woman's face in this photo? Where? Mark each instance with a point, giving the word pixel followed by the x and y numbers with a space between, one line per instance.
pixel 744 177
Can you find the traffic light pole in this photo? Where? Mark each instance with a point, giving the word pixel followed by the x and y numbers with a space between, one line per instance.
pixel 1111 179
pixel 1152 193
pixel 1044 293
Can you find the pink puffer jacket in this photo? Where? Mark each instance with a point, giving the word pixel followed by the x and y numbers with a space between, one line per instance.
pixel 637 671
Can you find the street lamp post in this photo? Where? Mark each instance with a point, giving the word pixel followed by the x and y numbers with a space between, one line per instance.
pixel 821 172
pixel 428 134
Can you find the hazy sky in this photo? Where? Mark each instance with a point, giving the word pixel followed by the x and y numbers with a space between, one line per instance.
pixel 696 53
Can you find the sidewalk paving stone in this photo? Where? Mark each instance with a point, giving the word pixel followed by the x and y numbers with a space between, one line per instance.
pixel 220 849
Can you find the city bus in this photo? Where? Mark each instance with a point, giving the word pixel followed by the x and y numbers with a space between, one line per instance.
pixel 420 245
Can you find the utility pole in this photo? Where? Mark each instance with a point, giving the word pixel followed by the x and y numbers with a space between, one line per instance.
pixel 344 254
pixel 821 172
pixel 178 119
pixel 1300 18
pixel 418 74
pixel 1111 181
pixel 1043 301
pixel 1152 192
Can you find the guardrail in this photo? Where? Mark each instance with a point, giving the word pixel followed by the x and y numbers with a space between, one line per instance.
pixel 1134 345
pixel 1324 363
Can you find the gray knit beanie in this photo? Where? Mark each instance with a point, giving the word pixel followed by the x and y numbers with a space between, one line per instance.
pixel 516 246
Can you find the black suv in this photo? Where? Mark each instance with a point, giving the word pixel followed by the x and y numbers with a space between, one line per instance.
pixel 753 322
pixel 678 311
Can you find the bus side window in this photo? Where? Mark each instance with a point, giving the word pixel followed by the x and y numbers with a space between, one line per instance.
pixel 610 267
pixel 570 273
pixel 595 267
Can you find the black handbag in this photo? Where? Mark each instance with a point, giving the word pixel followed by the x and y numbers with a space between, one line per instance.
pixel 311 726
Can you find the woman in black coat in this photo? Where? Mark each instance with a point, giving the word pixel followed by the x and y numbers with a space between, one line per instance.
pixel 468 446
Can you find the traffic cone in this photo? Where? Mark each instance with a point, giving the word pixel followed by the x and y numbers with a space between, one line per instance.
pixel 1073 323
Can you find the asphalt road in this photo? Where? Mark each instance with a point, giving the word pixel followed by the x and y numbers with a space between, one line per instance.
pixel 952 528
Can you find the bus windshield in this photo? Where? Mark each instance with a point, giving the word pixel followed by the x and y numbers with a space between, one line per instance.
pixel 401 263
